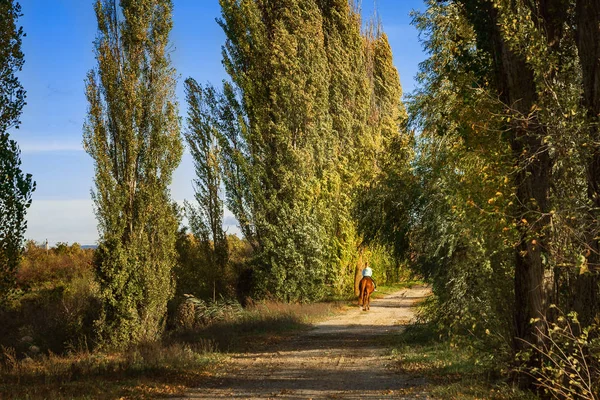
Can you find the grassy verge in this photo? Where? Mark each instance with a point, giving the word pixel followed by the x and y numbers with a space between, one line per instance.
pixel 153 370
pixel 448 372
pixel 384 290
pixel 259 325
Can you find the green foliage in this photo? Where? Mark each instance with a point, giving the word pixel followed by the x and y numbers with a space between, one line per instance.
pixel 15 186
pixel 132 133
pixel 506 222
pixel 462 236
pixel 310 108
pixel 281 81
pixel 12 95
pixel 196 274
pixel 384 208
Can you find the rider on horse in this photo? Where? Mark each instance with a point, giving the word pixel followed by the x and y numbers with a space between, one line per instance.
pixel 365 287
pixel 368 272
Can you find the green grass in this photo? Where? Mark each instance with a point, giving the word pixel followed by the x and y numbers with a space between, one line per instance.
pixel 448 372
pixel 389 288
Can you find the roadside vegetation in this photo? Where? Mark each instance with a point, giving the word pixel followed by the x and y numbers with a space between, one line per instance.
pixel 450 370
pixel 47 347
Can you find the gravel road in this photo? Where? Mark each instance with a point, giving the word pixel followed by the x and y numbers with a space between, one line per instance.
pixel 344 357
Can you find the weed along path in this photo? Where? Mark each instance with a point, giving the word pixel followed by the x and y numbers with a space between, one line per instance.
pixel 345 357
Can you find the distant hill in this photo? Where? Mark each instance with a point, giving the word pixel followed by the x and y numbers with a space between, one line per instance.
pixel 89 246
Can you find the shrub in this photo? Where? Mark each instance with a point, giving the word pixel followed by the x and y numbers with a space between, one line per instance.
pixel 57 304
pixel 194 313
pixel 570 356
pixel 195 275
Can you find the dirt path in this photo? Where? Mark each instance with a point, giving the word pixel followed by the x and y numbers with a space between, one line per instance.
pixel 344 357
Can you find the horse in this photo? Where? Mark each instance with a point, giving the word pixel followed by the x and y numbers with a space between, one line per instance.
pixel 365 287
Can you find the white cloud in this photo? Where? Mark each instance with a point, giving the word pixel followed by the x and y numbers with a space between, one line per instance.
pixel 74 221
pixel 62 221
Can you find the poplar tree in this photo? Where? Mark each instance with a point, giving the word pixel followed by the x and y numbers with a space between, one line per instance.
pixel 15 186
pixel 347 107
pixel 206 215
pixel 384 203
pixel 276 59
pixel 132 132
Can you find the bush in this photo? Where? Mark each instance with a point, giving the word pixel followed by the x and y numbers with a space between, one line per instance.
pixel 57 303
pixel 194 313
pixel 196 276
pixel 570 356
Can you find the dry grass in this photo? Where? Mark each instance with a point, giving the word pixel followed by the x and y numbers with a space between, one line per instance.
pixel 143 371
pixel 258 324
pixel 154 369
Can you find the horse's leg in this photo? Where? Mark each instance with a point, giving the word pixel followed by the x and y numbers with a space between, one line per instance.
pixel 360 295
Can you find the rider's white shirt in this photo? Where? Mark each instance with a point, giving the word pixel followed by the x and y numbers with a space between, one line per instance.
pixel 367 272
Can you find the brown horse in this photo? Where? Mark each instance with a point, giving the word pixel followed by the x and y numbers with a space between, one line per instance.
pixel 365 287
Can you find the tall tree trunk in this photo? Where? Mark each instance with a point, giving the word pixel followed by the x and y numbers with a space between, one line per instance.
pixel 360 264
pixel 533 183
pixel 516 89
pixel 586 301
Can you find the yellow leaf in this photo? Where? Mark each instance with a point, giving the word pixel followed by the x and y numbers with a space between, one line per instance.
pixel 582 264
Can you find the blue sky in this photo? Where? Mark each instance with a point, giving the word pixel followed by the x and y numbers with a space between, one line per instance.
pixel 59 53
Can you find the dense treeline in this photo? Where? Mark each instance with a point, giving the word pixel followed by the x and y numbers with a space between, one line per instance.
pixel 303 125
pixel 508 171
